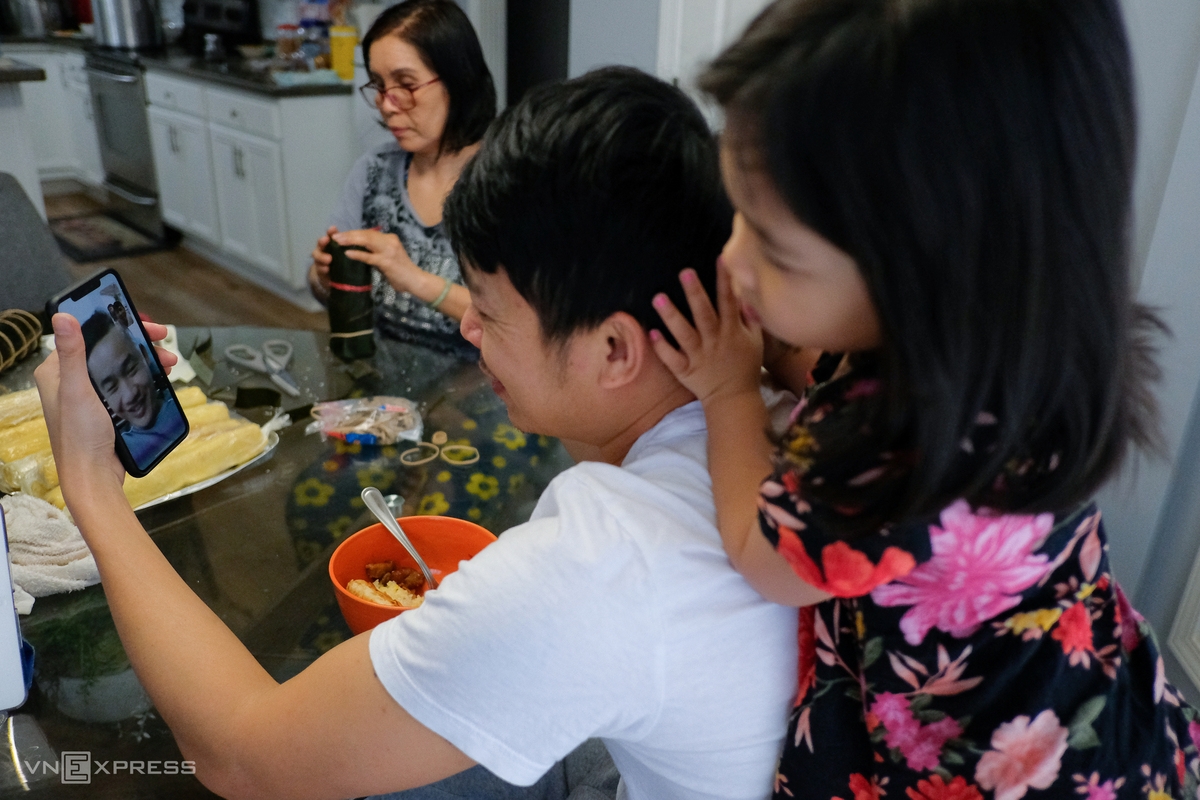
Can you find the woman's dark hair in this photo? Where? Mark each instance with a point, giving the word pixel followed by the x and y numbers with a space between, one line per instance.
pixel 446 40
pixel 592 195
pixel 975 159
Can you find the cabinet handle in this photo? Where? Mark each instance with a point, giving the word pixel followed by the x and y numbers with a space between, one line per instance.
pixel 173 137
pixel 238 168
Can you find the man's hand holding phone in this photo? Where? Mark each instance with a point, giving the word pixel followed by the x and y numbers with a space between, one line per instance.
pixel 81 431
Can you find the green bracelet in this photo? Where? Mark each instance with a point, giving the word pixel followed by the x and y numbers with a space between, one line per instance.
pixel 445 293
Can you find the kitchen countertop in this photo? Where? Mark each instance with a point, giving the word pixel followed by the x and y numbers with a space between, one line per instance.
pixel 19 72
pixel 234 73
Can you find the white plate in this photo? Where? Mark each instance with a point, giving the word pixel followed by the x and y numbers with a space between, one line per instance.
pixel 272 443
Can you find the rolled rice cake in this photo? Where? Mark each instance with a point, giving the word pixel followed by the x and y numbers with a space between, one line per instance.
pixel 215 443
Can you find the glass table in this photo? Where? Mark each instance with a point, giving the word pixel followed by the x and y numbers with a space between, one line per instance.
pixel 256 548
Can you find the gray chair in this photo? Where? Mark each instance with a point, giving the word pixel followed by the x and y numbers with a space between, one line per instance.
pixel 32 268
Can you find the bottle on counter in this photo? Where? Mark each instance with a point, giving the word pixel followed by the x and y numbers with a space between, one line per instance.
pixel 287 48
pixel 343 39
pixel 314 33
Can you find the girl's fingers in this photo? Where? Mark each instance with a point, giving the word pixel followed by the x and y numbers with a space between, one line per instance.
pixel 727 306
pixel 689 340
pixel 704 316
pixel 674 360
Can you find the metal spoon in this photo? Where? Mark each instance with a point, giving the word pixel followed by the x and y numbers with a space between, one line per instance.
pixel 375 502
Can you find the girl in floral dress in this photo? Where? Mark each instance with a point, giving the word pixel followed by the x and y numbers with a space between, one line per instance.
pixel 940 189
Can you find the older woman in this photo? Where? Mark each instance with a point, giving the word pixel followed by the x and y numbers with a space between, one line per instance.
pixel 435 94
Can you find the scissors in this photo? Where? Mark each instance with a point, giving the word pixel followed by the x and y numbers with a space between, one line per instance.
pixel 272 361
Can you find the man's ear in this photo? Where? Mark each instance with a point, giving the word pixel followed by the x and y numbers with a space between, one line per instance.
pixel 626 349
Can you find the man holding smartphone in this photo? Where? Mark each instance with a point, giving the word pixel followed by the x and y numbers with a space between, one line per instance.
pixel 126 384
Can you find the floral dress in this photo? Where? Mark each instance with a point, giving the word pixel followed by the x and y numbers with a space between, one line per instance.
pixel 966 655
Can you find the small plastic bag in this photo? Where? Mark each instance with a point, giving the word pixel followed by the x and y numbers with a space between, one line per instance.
pixel 368 420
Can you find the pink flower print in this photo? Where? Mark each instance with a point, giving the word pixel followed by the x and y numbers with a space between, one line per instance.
pixel 893 711
pixel 1194 732
pixel 921 745
pixel 981 564
pixel 1024 754
pixel 1092 789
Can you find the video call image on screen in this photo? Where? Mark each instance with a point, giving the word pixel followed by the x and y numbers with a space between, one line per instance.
pixel 131 384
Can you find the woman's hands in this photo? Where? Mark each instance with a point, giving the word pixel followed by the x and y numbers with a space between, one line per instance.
pixel 81 430
pixel 722 354
pixel 386 253
pixel 318 272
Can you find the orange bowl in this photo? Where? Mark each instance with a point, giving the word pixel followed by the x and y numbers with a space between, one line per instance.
pixel 442 541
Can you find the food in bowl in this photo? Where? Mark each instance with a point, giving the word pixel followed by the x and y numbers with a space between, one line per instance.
pixel 444 543
pixel 389 594
pixel 388 585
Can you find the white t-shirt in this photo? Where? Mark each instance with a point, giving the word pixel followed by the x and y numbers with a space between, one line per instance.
pixel 612 613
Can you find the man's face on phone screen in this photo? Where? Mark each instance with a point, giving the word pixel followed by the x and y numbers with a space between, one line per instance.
pixel 124 379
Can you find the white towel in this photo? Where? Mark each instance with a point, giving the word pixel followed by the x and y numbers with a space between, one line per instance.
pixel 45 550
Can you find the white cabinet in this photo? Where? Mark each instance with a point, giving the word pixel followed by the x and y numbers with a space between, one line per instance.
pixel 183 166
pixel 48 113
pixel 251 178
pixel 83 124
pixel 59 114
pixel 250 196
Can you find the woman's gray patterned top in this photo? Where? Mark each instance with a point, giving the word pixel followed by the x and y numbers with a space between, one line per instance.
pixel 376 195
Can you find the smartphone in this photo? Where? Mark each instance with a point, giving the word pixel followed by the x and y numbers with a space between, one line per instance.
pixel 125 371
pixel 12 671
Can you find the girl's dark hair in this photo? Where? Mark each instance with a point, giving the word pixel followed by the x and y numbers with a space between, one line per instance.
pixel 975 158
pixel 446 40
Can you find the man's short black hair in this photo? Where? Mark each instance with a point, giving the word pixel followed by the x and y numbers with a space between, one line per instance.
pixel 443 35
pixel 95 328
pixel 592 195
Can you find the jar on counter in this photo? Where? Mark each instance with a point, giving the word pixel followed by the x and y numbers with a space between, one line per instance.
pixel 287 47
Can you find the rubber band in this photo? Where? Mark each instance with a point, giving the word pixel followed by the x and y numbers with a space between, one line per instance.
pixel 348 287
pixel 445 293
pixel 352 334
pixel 460 448
pixel 439 438
pixel 432 449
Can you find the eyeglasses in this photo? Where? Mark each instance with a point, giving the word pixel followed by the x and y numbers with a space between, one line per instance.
pixel 402 97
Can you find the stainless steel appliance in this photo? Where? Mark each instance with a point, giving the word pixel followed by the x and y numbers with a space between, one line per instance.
pixel 234 21
pixel 127 24
pixel 116 80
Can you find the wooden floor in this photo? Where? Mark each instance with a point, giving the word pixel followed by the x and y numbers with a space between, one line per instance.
pixel 177 286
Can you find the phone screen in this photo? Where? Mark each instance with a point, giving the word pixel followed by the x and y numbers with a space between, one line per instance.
pixel 126 372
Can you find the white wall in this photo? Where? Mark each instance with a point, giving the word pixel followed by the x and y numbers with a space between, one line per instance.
pixel 1165 38
pixel 1152 510
pixel 606 32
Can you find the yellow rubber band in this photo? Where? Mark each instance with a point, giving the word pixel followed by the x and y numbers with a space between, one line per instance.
pixel 467 460
pixel 409 460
